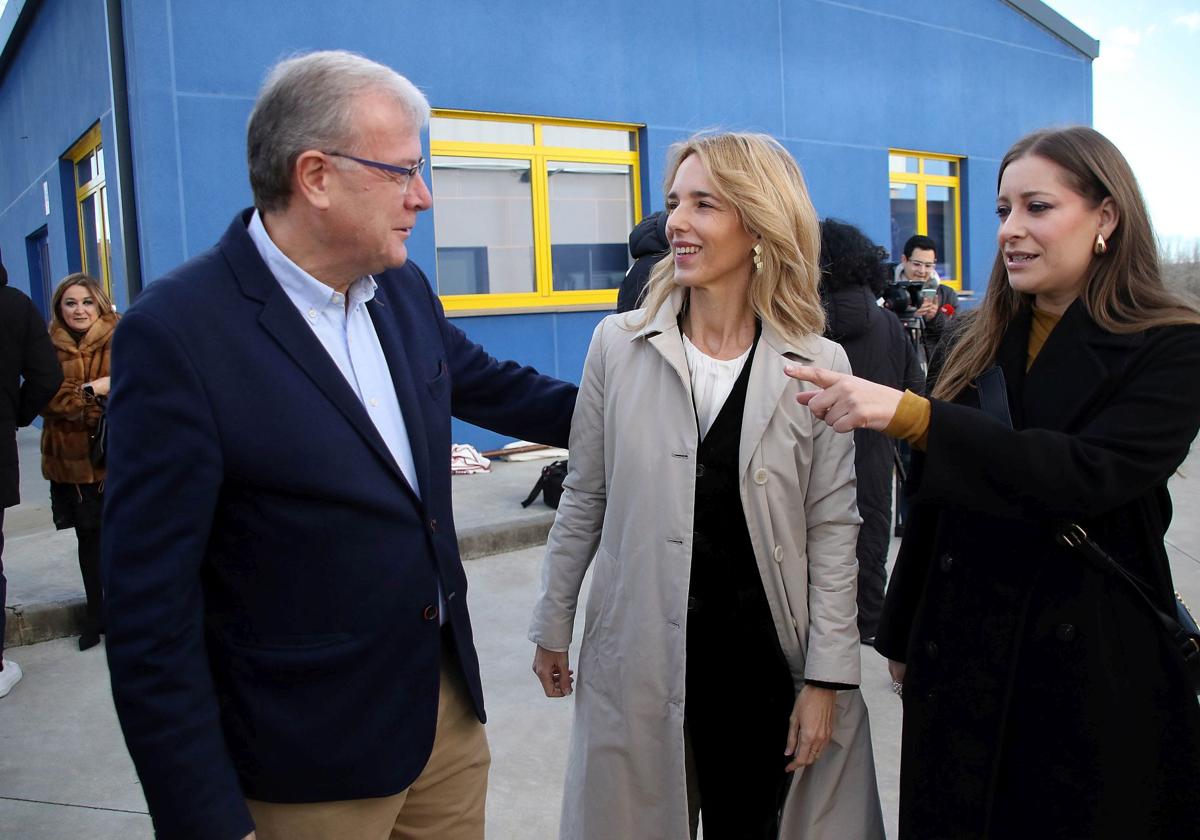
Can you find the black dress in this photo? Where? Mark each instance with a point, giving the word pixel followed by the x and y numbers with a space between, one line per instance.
pixel 739 687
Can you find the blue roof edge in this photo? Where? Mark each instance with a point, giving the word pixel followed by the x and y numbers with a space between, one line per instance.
pixel 1058 25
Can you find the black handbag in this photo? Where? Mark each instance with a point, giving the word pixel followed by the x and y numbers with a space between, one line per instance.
pixel 1183 636
pixel 549 484
pixel 98 442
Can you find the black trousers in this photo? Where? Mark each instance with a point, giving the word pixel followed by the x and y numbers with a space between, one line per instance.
pixel 3 585
pixel 89 568
pixel 739 697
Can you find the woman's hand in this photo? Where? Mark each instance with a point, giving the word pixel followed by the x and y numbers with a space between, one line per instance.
pixel 811 725
pixel 846 402
pixel 551 667
pixel 897 669
pixel 100 386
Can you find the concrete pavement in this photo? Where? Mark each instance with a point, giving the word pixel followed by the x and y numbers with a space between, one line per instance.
pixel 64 771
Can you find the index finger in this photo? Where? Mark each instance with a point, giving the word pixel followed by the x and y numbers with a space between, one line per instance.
pixel 821 377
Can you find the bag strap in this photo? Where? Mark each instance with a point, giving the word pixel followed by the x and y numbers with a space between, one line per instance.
pixel 1073 536
pixel 993 394
pixel 537 488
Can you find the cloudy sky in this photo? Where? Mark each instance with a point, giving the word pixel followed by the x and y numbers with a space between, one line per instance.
pixel 1147 98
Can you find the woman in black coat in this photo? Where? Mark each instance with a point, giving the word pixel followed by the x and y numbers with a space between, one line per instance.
pixel 1040 695
pixel 879 349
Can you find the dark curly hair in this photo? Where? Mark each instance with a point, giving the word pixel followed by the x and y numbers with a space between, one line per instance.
pixel 849 258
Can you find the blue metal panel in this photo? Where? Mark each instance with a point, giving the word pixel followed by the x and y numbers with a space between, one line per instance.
pixel 53 89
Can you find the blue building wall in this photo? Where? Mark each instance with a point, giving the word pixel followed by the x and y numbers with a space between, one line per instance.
pixel 56 87
pixel 838 84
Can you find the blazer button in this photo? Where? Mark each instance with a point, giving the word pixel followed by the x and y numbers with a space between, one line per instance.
pixel 947 562
pixel 1066 632
pixel 778 554
pixel 433 524
pixel 760 476
pixel 699 471
pixel 931 648
pixel 430 613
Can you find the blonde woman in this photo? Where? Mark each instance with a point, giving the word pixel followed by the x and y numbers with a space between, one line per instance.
pixel 720 657
pixel 1040 695
pixel 81 329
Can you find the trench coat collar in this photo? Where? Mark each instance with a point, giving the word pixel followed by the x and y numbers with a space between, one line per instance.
pixel 1070 370
pixel 767 379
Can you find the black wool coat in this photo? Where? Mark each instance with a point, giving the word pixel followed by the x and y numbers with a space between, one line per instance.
pixel 1040 698
pixel 29 376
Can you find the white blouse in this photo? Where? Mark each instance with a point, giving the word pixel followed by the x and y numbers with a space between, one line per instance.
pixel 712 380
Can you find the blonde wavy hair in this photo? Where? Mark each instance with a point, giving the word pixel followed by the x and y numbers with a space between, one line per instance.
pixel 761 181
pixel 1123 289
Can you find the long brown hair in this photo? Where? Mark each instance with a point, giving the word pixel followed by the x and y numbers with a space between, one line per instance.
pixel 95 289
pixel 762 182
pixel 1123 291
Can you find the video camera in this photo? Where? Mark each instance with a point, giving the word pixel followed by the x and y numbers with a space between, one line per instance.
pixel 904 297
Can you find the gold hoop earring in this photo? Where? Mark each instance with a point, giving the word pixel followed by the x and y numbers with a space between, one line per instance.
pixel 758 257
pixel 1101 247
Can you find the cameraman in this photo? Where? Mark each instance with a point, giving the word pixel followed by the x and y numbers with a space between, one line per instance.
pixel 917 266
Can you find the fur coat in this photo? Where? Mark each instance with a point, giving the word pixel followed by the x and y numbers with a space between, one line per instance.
pixel 72 415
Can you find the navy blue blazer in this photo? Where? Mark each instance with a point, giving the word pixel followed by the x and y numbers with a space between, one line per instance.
pixel 271 576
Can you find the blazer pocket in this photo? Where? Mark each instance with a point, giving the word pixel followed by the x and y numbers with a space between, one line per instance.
pixel 440 384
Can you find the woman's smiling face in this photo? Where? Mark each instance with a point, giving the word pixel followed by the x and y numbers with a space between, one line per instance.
pixel 78 308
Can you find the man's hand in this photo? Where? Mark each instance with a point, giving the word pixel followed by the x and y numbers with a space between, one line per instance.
pixel 811 725
pixel 551 667
pixel 928 309
pixel 846 402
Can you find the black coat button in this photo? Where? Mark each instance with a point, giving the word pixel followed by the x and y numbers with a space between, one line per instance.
pixel 1066 632
pixel 699 471
pixel 430 613
pixel 947 562
pixel 931 648
pixel 433 525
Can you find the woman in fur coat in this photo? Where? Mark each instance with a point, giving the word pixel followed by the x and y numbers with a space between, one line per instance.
pixel 81 329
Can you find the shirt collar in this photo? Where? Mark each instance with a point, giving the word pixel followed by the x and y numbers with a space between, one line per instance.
pixel 298 283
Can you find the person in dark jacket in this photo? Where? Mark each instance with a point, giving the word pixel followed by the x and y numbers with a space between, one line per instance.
pixel 852 278
pixel 647 245
pixel 29 377
pixel 1041 696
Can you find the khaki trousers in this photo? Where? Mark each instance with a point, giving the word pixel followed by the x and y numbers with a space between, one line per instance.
pixel 446 802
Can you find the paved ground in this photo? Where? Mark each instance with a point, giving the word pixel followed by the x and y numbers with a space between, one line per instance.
pixel 64 772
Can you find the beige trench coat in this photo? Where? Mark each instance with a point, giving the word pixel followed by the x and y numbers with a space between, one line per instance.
pixel 627 509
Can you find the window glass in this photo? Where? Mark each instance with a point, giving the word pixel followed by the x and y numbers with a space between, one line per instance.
pixel 591 213
pixel 903 163
pixel 939 214
pixel 83 170
pixel 586 138
pixel 936 166
pixel 904 216
pixel 480 131
pixel 483 225
pixel 92 223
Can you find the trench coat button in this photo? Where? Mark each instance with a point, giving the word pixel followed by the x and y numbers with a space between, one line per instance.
pixel 699 470
pixel 795 623
pixel 931 695
pixel 430 613
pixel 760 476
pixel 1065 632
pixel 778 554
pixel 931 648
pixel 947 562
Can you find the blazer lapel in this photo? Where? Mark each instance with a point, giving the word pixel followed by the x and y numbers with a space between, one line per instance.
pixel 1011 357
pixel 284 324
pixel 383 315
pixel 1071 369
pixel 766 387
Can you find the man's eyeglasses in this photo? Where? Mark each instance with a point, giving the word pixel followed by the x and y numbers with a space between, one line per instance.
pixel 403 174
pixel 921 264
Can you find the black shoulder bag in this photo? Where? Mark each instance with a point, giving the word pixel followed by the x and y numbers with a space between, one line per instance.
pixel 549 484
pixel 1183 636
pixel 98 439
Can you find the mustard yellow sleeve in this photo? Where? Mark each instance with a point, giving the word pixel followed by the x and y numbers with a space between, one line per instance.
pixel 911 422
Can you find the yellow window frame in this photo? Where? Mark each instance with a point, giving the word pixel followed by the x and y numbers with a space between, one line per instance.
pixel 921 181
pixel 538 155
pixel 87 144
